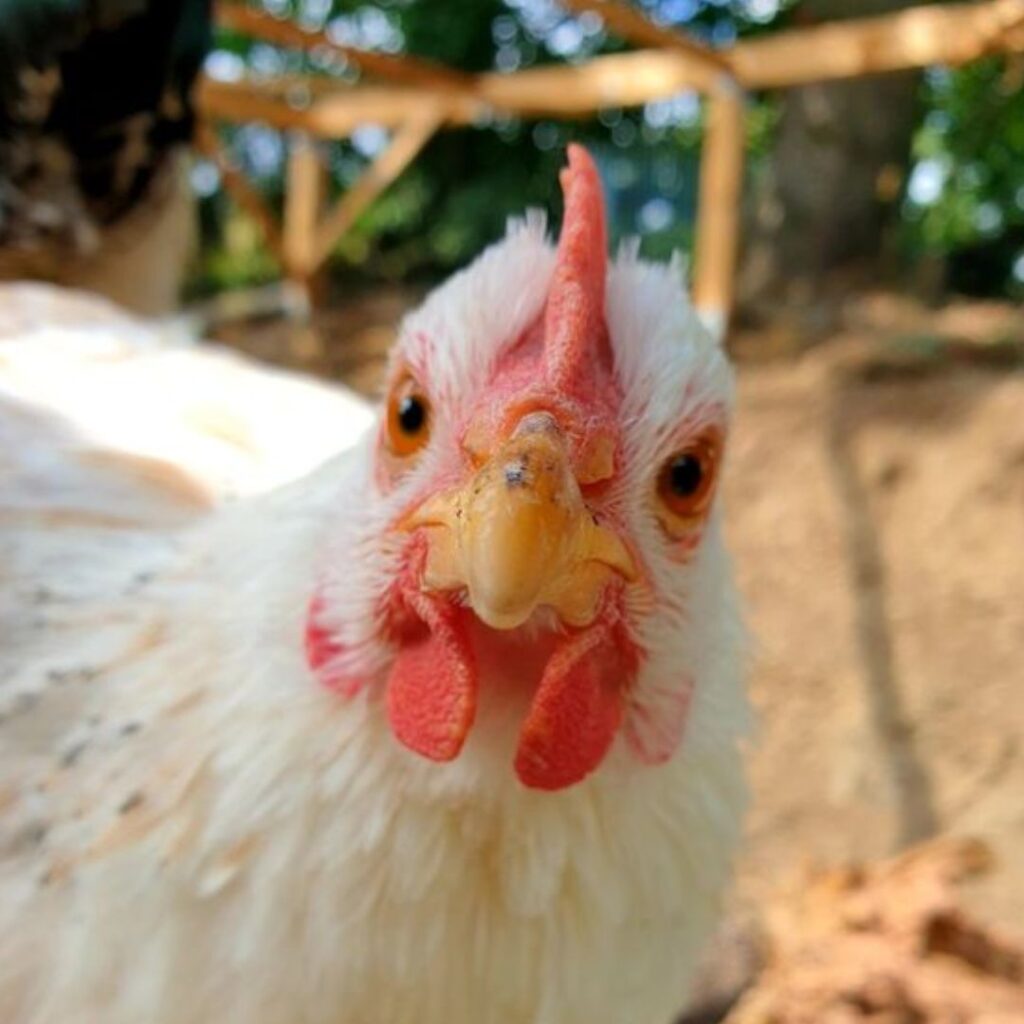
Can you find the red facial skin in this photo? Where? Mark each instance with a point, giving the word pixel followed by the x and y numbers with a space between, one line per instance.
pixel 324 651
pixel 563 364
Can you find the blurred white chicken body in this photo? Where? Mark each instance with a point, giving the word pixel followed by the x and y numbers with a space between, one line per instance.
pixel 193 829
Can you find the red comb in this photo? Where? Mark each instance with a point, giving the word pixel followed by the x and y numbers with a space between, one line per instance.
pixel 574 318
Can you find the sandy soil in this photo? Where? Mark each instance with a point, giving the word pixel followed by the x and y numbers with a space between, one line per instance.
pixel 875 505
pixel 878 526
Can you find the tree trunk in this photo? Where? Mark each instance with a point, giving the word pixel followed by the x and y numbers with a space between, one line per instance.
pixel 833 178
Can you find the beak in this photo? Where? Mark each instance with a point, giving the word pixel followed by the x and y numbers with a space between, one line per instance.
pixel 518 535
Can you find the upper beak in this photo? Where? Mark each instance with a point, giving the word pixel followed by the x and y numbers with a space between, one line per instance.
pixel 518 535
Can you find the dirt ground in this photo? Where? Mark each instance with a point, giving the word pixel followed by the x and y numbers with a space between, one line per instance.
pixel 875 506
pixel 877 520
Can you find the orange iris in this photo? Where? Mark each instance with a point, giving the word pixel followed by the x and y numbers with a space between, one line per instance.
pixel 686 482
pixel 408 418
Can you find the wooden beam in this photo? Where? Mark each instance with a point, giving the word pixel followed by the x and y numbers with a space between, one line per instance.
pixel 299 89
pixel 332 113
pixel 401 69
pixel 238 187
pixel 634 26
pixel 559 91
pixel 618 80
pixel 916 37
pixel 303 201
pixel 406 144
pixel 338 115
pixel 938 34
pixel 718 210
pixel 247 101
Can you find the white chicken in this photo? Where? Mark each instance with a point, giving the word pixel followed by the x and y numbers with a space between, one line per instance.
pixel 446 731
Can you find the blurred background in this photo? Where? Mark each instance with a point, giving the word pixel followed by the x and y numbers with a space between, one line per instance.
pixel 278 178
pixel 918 176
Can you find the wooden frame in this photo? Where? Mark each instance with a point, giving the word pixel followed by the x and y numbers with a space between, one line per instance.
pixel 408 70
pixel 403 148
pixel 417 98
pixel 238 187
pixel 304 195
pixel 718 213
pixel 630 24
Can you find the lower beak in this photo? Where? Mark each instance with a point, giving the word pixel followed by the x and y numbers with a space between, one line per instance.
pixel 518 535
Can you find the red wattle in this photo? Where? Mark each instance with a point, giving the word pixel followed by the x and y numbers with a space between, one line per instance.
pixel 432 689
pixel 576 712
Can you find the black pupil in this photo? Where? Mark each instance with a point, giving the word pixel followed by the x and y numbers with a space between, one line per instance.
pixel 684 475
pixel 412 414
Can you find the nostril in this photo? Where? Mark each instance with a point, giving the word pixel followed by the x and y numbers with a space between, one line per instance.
pixel 515 473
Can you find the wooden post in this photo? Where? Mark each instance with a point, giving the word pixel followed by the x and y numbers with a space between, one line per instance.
pixel 302 206
pixel 718 212
pixel 405 144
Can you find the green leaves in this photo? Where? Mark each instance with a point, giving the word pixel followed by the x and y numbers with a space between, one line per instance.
pixel 966 194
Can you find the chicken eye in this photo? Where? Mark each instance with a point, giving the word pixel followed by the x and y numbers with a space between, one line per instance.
pixel 684 475
pixel 408 418
pixel 412 415
pixel 686 481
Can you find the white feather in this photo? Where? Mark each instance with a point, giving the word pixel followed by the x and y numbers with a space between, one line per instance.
pixel 232 842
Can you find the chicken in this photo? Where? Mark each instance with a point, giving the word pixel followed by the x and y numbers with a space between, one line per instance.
pixel 446 731
pixel 96 116
pixel 154 405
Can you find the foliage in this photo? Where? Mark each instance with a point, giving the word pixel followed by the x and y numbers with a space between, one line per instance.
pixel 460 191
pixel 966 194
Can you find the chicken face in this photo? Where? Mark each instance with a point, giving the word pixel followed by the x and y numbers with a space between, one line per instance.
pixel 544 477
